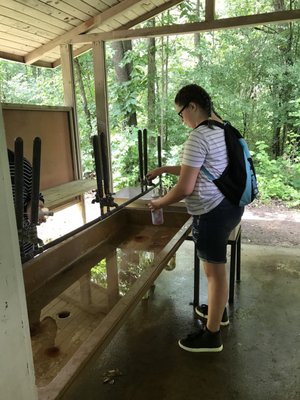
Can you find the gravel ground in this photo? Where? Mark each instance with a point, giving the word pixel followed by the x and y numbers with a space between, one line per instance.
pixel 274 225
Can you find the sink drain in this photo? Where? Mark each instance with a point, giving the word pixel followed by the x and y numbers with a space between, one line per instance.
pixel 52 351
pixel 64 314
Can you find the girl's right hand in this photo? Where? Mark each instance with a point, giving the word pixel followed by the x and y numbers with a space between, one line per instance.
pixel 154 173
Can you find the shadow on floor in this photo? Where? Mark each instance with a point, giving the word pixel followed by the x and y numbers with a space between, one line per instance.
pixel 261 356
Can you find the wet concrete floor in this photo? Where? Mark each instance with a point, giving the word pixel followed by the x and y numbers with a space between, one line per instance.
pixel 261 356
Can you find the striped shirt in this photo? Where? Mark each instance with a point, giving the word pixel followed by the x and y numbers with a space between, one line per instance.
pixel 205 146
pixel 27 248
pixel 27 176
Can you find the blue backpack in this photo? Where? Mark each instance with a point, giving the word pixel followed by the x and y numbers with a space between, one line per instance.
pixel 238 181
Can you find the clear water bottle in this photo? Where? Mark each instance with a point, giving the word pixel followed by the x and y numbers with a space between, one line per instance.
pixel 157 215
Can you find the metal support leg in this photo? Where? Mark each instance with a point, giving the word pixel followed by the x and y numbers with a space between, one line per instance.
pixel 235 268
pixel 235 263
pixel 196 278
pixel 232 272
pixel 238 261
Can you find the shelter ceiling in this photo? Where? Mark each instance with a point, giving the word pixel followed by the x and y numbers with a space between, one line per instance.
pixel 31 31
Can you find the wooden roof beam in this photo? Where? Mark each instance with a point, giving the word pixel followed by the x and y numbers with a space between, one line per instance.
pixel 150 14
pixel 156 11
pixel 86 26
pixel 225 23
pixel 20 59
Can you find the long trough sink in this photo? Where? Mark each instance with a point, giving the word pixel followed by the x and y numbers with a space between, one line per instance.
pixel 81 291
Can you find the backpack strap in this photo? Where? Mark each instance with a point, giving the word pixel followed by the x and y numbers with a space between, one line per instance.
pixel 214 122
pixel 209 176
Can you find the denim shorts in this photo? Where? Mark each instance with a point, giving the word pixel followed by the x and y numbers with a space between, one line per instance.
pixel 211 231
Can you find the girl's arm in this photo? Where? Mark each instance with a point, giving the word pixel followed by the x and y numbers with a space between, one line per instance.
pixel 173 170
pixel 183 188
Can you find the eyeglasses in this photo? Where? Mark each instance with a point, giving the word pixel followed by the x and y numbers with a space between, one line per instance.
pixel 183 108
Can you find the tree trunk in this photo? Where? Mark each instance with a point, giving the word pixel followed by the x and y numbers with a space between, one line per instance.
pixel 166 89
pixel 83 94
pixel 284 94
pixel 151 80
pixel 123 73
pixel 162 91
pixel 197 34
pixel 276 141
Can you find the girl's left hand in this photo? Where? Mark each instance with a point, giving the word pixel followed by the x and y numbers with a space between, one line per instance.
pixel 154 204
pixel 42 217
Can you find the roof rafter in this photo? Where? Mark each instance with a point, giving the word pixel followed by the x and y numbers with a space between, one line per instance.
pixel 86 26
pixel 225 23
pixel 136 21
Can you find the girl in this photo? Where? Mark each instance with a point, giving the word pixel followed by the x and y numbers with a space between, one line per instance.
pixel 214 216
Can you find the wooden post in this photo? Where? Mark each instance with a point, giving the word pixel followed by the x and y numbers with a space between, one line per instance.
pixel 67 64
pixel 209 10
pixel 70 101
pixel 101 100
pixel 16 363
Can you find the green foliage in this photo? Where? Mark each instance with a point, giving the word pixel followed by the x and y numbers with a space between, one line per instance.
pixel 99 274
pixel 277 179
pixel 251 73
pixel 126 98
pixel 125 159
pixel 20 83
pixel 130 266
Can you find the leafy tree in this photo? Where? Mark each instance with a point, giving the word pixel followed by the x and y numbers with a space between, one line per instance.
pixel 28 84
pixel 252 74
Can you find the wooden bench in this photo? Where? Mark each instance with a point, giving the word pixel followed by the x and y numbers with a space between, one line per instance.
pixel 235 265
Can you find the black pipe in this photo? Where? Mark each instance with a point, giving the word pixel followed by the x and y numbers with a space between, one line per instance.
pixel 159 157
pixel 140 149
pixel 35 188
pixel 159 150
pixel 19 183
pixel 19 191
pixel 91 223
pixel 98 166
pixel 105 168
pixel 145 143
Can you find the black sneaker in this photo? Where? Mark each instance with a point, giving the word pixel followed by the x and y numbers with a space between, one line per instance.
pixel 202 342
pixel 202 311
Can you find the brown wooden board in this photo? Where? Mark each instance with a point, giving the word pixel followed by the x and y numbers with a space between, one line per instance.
pixel 53 125
pixel 66 192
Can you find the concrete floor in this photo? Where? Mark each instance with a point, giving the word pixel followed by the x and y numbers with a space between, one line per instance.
pixel 261 356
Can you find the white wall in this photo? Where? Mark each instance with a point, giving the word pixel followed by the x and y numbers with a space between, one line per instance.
pixel 16 364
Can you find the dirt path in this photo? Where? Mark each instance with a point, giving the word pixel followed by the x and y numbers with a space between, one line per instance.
pixel 273 225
